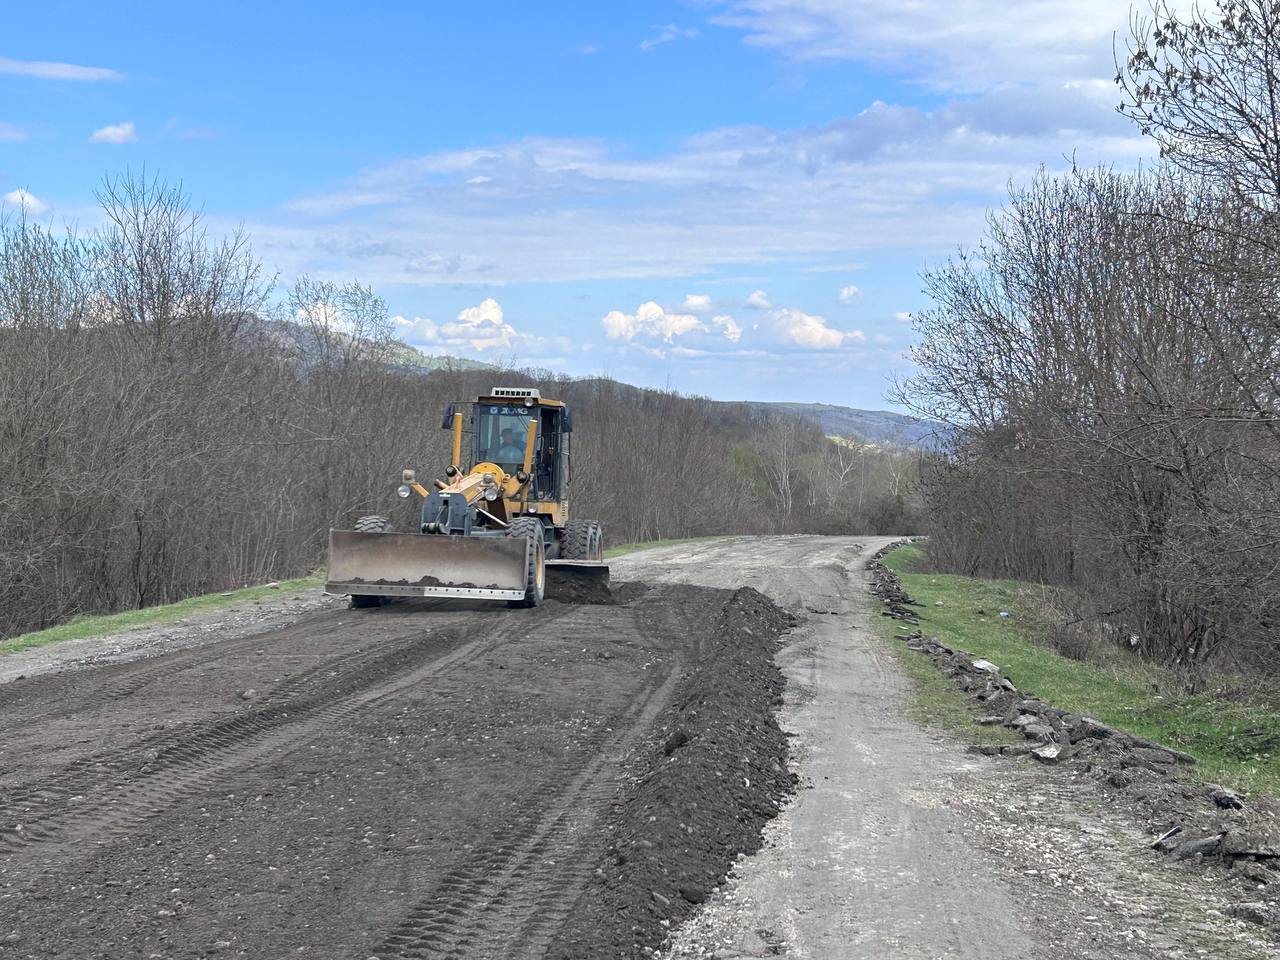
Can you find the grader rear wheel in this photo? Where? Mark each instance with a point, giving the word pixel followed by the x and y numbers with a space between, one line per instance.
pixel 371 524
pixel 583 540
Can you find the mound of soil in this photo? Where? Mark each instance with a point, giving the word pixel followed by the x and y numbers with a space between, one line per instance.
pixel 709 778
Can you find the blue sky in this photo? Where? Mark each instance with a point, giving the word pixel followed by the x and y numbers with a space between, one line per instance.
pixel 728 197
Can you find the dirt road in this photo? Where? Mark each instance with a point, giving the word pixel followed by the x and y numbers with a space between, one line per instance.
pixel 422 779
pixel 864 864
pixel 433 779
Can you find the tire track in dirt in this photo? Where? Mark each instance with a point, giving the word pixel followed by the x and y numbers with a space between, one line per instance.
pixel 82 691
pixel 104 794
pixel 512 894
pixel 72 693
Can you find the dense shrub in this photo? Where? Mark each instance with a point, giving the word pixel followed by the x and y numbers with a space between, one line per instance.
pixel 1111 358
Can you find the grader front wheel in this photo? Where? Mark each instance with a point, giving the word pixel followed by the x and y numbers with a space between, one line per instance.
pixel 535 587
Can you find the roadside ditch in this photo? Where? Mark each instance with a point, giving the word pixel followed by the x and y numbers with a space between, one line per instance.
pixel 1191 822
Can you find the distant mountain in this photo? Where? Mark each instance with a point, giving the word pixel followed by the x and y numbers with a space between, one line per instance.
pixel 876 426
pixel 405 355
pixel 298 337
pixel 873 426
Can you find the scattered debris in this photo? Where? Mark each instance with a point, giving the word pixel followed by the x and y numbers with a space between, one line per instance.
pixel 1195 823
pixel 1267 915
pixel 1224 798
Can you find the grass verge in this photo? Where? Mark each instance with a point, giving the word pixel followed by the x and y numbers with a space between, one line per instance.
pixel 103 625
pixel 1234 743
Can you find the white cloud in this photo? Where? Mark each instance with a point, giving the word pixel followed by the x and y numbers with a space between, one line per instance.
pixel 27 202
pixel 483 327
pixel 809 330
pixel 961 45
pixel 696 303
pixel 649 320
pixel 758 300
pixel 477 329
pixel 666 34
pixel 902 316
pixel 849 294
pixel 729 327
pixel 47 70
pixel 437 263
pixel 832 267
pixel 115 133
pixel 321 314
pixel 569 209
pixel 11 133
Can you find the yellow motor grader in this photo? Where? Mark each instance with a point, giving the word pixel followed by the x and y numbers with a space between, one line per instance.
pixel 495 524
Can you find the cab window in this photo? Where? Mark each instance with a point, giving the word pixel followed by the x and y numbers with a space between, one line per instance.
pixel 501 433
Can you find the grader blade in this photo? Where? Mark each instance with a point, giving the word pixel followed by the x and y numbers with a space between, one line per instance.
pixel 421 565
pixel 578 581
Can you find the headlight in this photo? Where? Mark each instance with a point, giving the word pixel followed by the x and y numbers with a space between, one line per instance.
pixel 403 491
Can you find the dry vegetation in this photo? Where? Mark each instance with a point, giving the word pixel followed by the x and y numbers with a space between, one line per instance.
pixel 171 424
pixel 1111 356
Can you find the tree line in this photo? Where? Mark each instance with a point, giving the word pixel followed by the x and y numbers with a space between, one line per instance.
pixel 1111 358
pixel 172 424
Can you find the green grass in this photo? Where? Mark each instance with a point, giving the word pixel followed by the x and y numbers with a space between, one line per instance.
pixel 622 549
pixel 102 625
pixel 1233 742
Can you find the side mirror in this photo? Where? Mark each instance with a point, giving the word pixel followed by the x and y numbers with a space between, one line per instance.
pixel 446 422
pixel 567 421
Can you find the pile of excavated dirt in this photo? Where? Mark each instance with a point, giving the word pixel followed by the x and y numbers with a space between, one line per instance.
pixel 712 775
pixel 1190 821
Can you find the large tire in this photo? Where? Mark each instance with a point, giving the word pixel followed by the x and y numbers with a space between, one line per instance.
pixel 374 525
pixel 583 540
pixel 535 577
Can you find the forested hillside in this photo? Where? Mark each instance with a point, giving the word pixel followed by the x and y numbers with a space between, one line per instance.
pixel 874 426
pixel 170 424
pixel 1111 356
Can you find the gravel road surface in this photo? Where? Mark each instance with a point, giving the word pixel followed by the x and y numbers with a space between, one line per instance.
pixel 900 845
